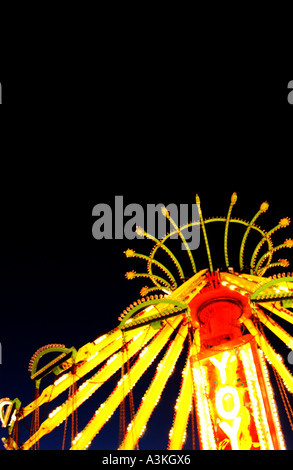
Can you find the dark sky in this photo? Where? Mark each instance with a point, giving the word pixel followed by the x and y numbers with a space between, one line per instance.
pixel 152 140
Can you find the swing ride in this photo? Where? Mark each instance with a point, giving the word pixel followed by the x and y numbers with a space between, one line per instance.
pixel 220 319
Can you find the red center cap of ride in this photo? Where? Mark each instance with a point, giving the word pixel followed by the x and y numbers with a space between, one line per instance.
pixel 217 311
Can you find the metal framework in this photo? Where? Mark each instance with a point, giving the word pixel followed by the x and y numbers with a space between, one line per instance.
pixel 216 318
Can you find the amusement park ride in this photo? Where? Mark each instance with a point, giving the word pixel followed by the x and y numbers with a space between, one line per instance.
pixel 218 318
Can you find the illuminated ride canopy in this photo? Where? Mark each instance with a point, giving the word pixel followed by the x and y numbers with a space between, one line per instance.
pixel 217 318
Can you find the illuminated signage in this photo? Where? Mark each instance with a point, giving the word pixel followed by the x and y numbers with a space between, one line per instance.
pixel 235 407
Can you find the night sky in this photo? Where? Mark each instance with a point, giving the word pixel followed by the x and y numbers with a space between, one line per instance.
pixel 211 135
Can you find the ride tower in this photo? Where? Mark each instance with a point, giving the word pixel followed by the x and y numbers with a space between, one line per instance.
pixel 220 320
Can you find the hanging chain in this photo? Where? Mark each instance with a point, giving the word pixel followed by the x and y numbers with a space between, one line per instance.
pixel 122 419
pixel 285 398
pixel 131 401
pixel 66 420
pixel 35 422
pixel 281 386
pixel 74 414
pixel 193 424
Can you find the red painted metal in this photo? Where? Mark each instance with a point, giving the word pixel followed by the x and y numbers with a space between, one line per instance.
pixel 218 311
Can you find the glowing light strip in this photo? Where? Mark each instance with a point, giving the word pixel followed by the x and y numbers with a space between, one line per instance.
pixel 92 355
pixel 271 355
pixel 153 394
pixel 272 400
pixel 197 281
pixel 281 312
pixel 275 328
pixel 182 410
pixel 233 201
pixel 106 409
pixel 241 282
pixel 255 395
pixel 89 387
pixel 206 431
pixel 167 214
